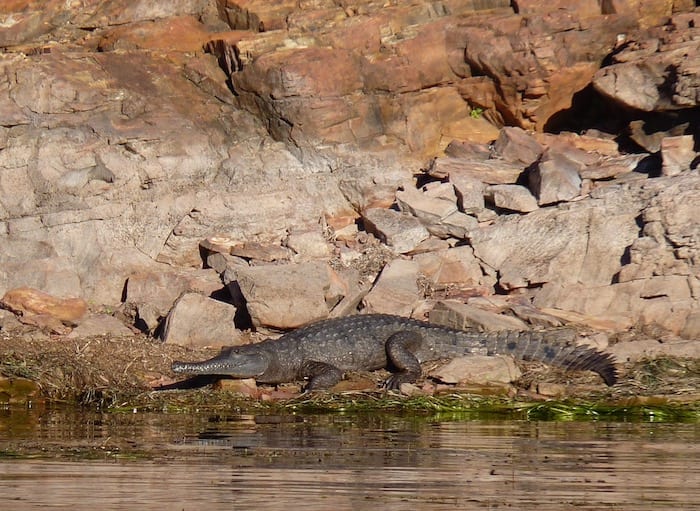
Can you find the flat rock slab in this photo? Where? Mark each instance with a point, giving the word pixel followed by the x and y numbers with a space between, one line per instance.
pixel 512 197
pixel 396 290
pixel 478 369
pixel 100 324
pixel 424 207
pixel 485 171
pixel 613 166
pixel 652 348
pixel 260 252
pixel 400 231
pixel 462 317
pixel 26 301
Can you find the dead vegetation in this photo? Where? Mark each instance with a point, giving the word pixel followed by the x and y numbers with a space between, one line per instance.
pixel 94 370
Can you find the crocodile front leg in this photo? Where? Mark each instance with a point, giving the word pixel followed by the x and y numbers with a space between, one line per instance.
pixel 399 350
pixel 320 375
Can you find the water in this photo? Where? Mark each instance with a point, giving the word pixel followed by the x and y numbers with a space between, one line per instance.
pixel 58 459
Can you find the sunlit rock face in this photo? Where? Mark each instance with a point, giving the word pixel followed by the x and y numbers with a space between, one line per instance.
pixel 134 133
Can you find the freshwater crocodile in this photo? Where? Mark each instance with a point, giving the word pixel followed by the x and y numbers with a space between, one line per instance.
pixel 322 352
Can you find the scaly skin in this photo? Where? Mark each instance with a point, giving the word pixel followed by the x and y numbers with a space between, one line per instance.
pixel 324 351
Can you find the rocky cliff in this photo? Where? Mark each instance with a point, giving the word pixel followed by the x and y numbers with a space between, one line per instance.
pixel 281 161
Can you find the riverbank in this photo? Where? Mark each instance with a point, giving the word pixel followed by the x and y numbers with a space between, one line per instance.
pixel 133 373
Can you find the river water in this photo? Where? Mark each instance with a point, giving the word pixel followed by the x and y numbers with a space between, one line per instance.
pixel 71 459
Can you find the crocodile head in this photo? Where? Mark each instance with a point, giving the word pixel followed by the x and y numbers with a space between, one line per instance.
pixel 239 363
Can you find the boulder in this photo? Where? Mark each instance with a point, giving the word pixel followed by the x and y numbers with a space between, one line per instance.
pixel 287 295
pixel 159 290
pixel 648 133
pixel 456 225
pixel 650 13
pixel 516 146
pixel 436 208
pixel 634 351
pixel 470 193
pixel 677 153
pixel 555 178
pixel 451 268
pixel 196 320
pixel 534 316
pixel 691 328
pixel 663 301
pixel 486 171
pixel 396 289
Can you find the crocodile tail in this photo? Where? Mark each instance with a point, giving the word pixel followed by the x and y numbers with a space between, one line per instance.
pixel 555 347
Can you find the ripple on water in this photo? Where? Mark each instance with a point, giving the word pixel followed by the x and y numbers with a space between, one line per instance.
pixel 359 462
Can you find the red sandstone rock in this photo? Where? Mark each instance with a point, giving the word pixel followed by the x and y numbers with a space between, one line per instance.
pixel 112 160
pixel 181 33
pixel 583 8
pixel 539 62
pixel 649 13
pixel 678 154
pixel 259 15
pixel 656 70
pixel 517 146
pixel 32 302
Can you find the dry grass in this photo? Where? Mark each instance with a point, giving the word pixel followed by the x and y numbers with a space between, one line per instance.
pixel 95 370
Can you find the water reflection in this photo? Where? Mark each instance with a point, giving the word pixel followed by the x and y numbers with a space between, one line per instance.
pixel 320 462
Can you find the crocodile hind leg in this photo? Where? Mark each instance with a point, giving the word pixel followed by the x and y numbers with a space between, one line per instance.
pixel 399 350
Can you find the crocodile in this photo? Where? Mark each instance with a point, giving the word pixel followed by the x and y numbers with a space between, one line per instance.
pixel 324 351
